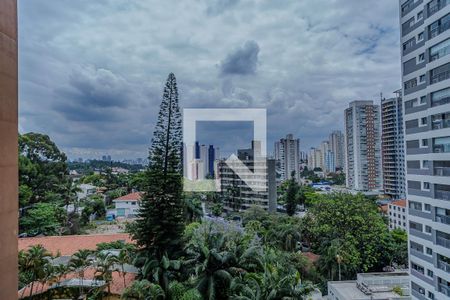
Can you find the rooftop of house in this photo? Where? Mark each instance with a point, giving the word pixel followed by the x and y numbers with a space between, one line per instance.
pixel 130 197
pixel 69 244
pixel 401 203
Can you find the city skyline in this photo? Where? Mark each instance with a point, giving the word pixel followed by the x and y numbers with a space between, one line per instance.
pixel 91 91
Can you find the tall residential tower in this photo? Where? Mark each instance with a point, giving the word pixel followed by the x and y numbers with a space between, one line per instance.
pixel 363 146
pixel 287 154
pixel 425 49
pixel 392 147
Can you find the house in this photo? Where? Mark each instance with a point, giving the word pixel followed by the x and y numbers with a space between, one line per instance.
pixel 397 214
pixel 86 190
pixel 128 206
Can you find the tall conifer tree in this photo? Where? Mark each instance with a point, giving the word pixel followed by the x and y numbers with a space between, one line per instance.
pixel 161 218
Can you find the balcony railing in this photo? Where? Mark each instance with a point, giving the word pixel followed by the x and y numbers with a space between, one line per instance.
pixel 444 289
pixel 439 124
pixel 440 77
pixel 443 195
pixel 443 148
pixel 442 171
pixel 440 29
pixel 441 241
pixel 443 219
pixel 443 266
pixel 441 101
pixel 437 7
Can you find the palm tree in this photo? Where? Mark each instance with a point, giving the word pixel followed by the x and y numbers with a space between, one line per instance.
pixel 160 270
pixel 79 262
pixel 122 259
pixel 104 262
pixel 193 208
pixel 142 290
pixel 218 257
pixel 35 261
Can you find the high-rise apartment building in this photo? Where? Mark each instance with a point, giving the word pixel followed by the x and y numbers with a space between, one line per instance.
pixel 336 140
pixel 314 159
pixel 287 153
pixel 363 146
pixel 392 147
pixel 425 49
pixel 241 196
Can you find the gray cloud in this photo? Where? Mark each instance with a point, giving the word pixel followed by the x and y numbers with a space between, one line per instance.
pixel 242 61
pixel 92 74
pixel 216 7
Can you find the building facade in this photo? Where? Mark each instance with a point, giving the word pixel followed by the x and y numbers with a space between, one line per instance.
pixel 397 214
pixel 392 147
pixel 8 149
pixel 287 153
pixel 336 140
pixel 239 195
pixel 363 146
pixel 425 49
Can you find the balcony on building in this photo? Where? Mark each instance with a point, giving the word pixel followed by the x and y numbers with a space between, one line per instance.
pixel 441 145
pixel 443 239
pixel 443 263
pixel 436 5
pixel 442 215
pixel 439 26
pixel 442 191
pixel 441 168
pixel 443 286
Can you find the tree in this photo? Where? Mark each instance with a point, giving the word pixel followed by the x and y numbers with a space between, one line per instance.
pixel 34 262
pixel 79 261
pixel 291 195
pixel 42 168
pixel 43 218
pixel 143 290
pixel 160 224
pixel 104 261
pixel 353 223
pixel 194 210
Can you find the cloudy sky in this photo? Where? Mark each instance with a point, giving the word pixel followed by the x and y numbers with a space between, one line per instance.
pixel 92 72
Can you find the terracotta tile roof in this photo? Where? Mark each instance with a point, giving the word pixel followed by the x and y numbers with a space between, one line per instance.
pixel 311 256
pixel 116 286
pixel 69 244
pixel 129 197
pixel 401 203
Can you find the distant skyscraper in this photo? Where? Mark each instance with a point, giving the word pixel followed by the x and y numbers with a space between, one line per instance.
pixel 363 146
pixel 425 42
pixel 330 165
pixel 337 140
pixel 197 150
pixel 392 147
pixel 314 159
pixel 211 159
pixel 287 153
pixel 324 149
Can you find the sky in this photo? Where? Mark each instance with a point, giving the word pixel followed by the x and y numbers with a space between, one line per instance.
pixel 92 72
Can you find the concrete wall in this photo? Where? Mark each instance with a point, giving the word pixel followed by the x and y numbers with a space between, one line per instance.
pixel 8 149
